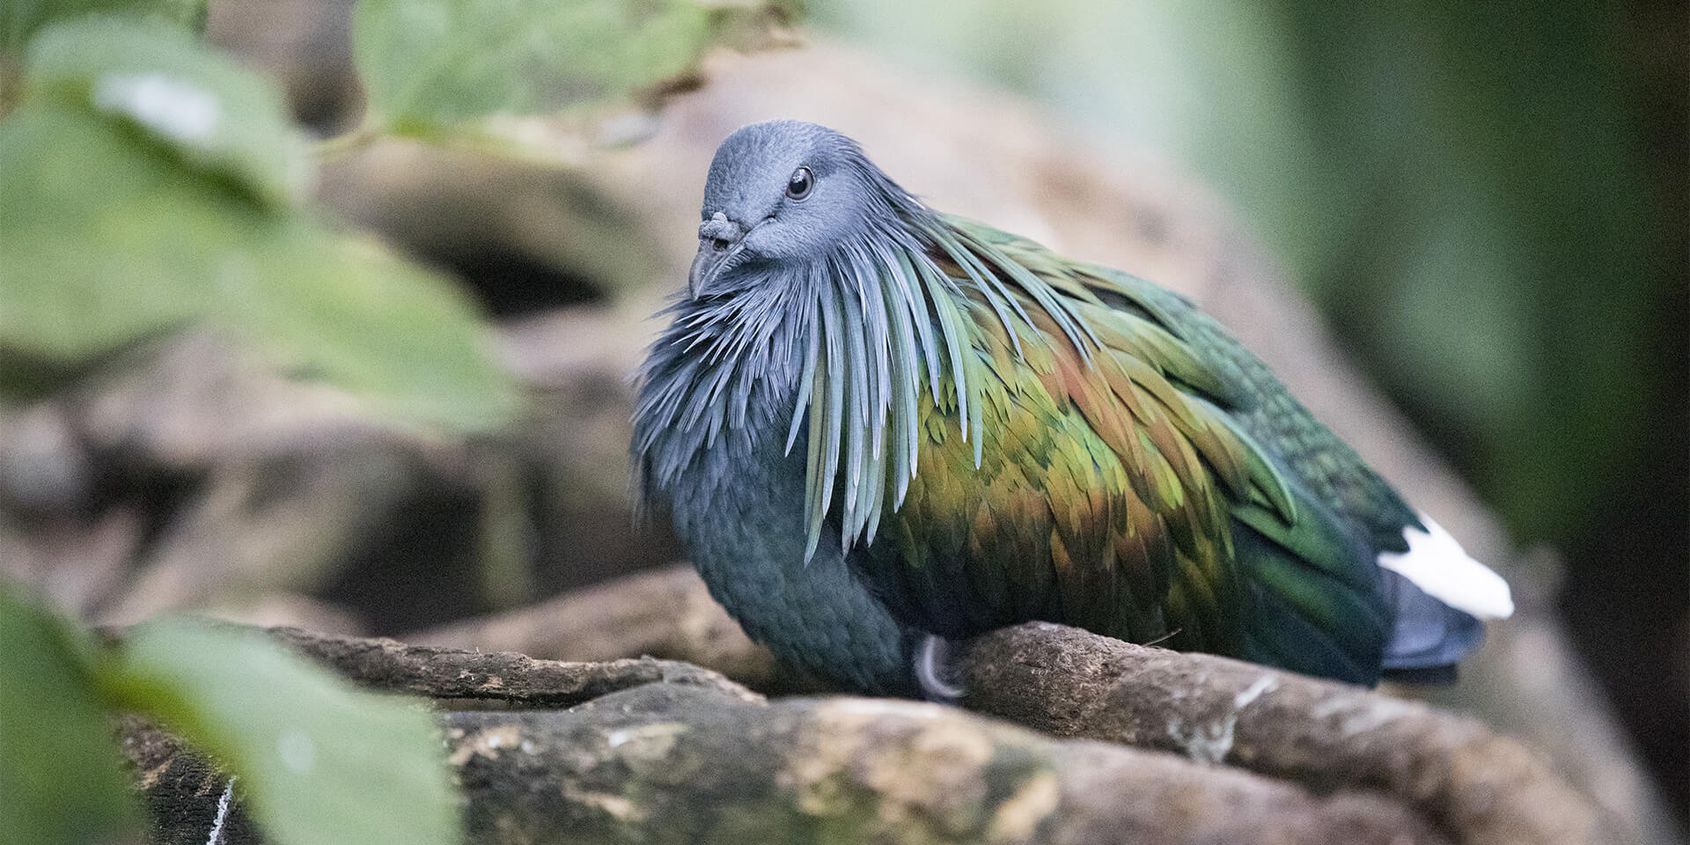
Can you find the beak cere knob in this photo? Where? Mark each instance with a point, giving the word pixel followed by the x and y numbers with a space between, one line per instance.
pixel 718 238
pixel 720 228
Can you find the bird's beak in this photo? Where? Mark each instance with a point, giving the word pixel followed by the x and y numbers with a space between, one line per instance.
pixel 718 240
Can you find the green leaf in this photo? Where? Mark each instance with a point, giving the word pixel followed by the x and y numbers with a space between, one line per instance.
pixel 379 327
pixel 320 761
pixel 109 240
pixel 60 780
pixel 213 114
pixel 21 19
pixel 433 63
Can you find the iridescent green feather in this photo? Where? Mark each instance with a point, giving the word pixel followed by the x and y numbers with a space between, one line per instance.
pixel 1055 440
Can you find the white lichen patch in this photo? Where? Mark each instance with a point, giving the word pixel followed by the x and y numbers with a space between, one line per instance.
pixel 645 741
pixel 1264 684
pixel 616 806
pixel 487 744
pixel 174 109
pixel 654 753
pixel 1210 741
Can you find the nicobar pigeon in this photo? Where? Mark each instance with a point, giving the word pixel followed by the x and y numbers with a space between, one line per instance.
pixel 880 429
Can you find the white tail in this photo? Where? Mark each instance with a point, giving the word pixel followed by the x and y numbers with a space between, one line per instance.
pixel 1437 565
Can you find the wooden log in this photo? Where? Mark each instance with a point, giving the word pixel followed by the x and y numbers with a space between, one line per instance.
pixel 1478 786
pixel 659 752
pixel 1072 683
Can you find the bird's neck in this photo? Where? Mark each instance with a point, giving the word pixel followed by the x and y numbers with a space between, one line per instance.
pixel 717 394
pixel 720 387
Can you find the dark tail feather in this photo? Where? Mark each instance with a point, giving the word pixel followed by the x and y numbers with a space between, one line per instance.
pixel 1430 637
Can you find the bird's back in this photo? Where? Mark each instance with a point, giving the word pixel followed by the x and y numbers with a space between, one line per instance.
pixel 1152 481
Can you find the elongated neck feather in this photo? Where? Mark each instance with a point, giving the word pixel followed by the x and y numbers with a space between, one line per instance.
pixel 717 382
pixel 736 372
pixel 840 348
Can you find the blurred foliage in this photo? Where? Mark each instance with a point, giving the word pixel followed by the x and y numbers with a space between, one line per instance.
pixel 319 761
pixel 429 63
pixel 59 768
pixel 1455 183
pixel 150 184
pixel 19 19
pixel 147 183
pixel 201 108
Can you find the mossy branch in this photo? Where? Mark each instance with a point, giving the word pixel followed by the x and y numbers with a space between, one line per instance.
pixel 669 753
pixel 1475 785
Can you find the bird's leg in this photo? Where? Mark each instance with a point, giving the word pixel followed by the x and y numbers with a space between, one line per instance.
pixel 933 670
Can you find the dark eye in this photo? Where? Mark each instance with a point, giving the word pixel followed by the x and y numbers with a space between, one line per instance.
pixel 798 187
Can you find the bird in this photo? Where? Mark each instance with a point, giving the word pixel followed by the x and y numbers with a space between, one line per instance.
pixel 879 430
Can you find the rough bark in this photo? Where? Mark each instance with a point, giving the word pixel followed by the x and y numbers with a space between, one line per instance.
pixel 449 673
pixel 656 752
pixel 1480 786
pixel 1071 683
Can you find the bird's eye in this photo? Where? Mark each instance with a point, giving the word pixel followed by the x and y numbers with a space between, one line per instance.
pixel 798 187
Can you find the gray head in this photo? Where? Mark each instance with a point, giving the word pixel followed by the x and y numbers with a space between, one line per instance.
pixel 786 192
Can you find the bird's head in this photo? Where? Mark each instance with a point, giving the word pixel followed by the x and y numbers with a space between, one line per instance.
pixel 782 195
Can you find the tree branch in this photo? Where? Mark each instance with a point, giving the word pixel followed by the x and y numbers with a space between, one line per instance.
pixel 676 754
pixel 1474 784
pixel 456 674
pixel 1071 683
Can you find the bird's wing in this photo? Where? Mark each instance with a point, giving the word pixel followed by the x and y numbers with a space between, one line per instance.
pixel 1113 482
pixel 1262 407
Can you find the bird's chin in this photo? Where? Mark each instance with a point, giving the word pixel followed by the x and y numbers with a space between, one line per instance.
pixel 741 270
pixel 706 267
pixel 713 271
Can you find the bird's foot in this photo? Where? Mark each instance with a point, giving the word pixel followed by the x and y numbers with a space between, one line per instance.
pixel 933 670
